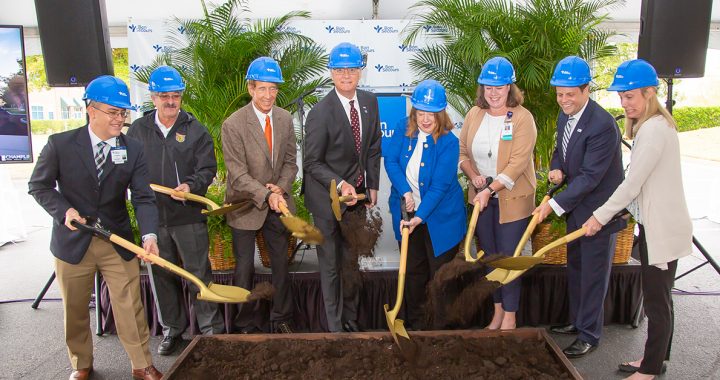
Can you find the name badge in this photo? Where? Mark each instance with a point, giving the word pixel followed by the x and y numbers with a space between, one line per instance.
pixel 507 131
pixel 118 155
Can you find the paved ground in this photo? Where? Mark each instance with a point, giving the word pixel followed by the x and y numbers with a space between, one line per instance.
pixel 32 340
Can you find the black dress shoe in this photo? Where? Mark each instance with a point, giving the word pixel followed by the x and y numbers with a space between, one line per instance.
pixel 568 329
pixel 578 349
pixel 629 368
pixel 352 326
pixel 168 345
pixel 283 328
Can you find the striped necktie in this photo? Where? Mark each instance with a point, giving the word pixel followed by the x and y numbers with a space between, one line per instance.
pixel 567 134
pixel 100 158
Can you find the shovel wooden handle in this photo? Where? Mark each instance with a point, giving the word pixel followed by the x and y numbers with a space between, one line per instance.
pixel 184 195
pixel 346 198
pixel 284 210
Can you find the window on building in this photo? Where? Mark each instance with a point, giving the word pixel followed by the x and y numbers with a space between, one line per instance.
pixel 51 115
pixel 37 113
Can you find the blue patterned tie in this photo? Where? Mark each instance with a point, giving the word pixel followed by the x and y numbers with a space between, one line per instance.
pixel 566 135
pixel 100 158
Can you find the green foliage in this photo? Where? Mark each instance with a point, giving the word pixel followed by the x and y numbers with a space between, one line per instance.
pixel 47 127
pixel 216 223
pixel 687 118
pixel 557 223
pixel 214 52
pixel 300 209
pixel 533 35
pixel 133 223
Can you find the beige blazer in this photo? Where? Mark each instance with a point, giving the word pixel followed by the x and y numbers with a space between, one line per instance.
pixel 515 160
pixel 247 159
pixel 655 179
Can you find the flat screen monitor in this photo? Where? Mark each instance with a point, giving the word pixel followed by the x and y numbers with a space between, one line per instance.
pixel 15 141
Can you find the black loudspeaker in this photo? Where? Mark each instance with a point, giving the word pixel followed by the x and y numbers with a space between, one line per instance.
pixel 674 36
pixel 75 41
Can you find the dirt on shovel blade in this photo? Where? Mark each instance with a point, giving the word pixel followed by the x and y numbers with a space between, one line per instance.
pixel 457 292
pixel 441 357
pixel 360 227
pixel 261 291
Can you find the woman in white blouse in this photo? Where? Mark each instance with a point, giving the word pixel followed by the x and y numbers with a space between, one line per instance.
pixel 497 140
pixel 653 193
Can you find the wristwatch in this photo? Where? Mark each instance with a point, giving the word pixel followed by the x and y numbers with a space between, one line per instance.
pixel 492 192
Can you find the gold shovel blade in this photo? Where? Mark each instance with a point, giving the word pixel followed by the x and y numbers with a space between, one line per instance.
pixel 302 229
pixel 241 206
pixel 396 326
pixel 516 263
pixel 223 294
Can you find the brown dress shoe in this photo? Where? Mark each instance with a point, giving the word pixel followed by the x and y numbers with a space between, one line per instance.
pixel 81 374
pixel 149 373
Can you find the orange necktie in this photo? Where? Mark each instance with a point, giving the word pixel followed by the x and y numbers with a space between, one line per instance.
pixel 268 133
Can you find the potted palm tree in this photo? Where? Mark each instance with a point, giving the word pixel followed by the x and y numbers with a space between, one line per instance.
pixel 212 54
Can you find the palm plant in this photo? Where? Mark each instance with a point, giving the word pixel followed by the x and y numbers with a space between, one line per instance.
pixel 214 52
pixel 533 35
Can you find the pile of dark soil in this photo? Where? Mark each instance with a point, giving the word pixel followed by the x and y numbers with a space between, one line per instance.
pixel 360 227
pixel 440 357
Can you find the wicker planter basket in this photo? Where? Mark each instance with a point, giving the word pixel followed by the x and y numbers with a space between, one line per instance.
pixel 220 255
pixel 263 251
pixel 558 255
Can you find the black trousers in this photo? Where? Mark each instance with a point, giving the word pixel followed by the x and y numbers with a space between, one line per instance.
pixel 657 285
pixel 276 239
pixel 421 267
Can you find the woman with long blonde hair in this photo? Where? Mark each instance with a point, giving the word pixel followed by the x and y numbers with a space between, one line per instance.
pixel 653 193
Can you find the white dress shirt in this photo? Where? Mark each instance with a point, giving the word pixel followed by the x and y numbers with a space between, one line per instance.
pixel 412 172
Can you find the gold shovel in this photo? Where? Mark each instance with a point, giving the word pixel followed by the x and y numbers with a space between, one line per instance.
pixel 211 293
pixel 397 326
pixel 335 200
pixel 471 228
pixel 215 209
pixel 300 228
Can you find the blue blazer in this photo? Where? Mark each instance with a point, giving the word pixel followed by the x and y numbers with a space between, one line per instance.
pixel 593 165
pixel 442 207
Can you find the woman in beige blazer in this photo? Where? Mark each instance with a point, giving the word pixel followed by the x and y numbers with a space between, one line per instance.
pixel 653 193
pixel 497 140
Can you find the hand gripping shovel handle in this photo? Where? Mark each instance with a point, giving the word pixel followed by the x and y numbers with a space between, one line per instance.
pixel 473 223
pixel 534 221
pixel 184 195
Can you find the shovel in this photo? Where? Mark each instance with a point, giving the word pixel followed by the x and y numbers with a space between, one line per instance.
pixel 215 209
pixel 471 227
pixel 300 228
pixel 535 220
pixel 397 326
pixel 211 293
pixel 335 200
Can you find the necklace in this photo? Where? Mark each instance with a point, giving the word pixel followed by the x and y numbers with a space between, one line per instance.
pixel 490 141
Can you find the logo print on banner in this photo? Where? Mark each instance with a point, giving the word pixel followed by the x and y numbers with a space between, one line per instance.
pixel 140 28
pixel 135 68
pixel 386 68
pixel 337 29
pixel 409 48
pixel 458 124
pixel 385 29
pixel 404 86
pixel 181 29
pixel 288 29
pixel 366 49
pixel 435 29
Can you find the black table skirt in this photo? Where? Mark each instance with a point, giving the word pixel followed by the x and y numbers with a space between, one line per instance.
pixel 543 301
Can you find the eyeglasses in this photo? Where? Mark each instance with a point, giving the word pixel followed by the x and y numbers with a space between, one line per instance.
pixel 114 114
pixel 346 71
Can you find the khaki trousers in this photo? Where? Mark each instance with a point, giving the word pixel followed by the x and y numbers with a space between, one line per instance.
pixel 123 281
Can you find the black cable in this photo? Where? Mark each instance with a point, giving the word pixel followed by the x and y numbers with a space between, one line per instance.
pixel 28 300
pixel 682 292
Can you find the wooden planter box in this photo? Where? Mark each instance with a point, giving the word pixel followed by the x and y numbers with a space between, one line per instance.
pixel 525 337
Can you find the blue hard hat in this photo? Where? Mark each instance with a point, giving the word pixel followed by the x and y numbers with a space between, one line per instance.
pixel 109 90
pixel 165 79
pixel 632 74
pixel 345 55
pixel 571 71
pixel 497 71
pixel 429 96
pixel 265 69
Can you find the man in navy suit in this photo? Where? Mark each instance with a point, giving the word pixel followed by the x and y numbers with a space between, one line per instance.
pixel 85 173
pixel 342 142
pixel 587 155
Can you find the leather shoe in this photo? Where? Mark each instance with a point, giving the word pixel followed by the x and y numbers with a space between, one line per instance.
pixel 81 374
pixel 629 368
pixel 149 373
pixel 352 326
pixel 578 349
pixel 168 345
pixel 568 329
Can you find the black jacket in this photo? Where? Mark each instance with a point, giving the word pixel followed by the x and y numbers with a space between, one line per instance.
pixel 189 146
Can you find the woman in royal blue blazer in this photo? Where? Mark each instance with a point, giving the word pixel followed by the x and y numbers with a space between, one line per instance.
pixel 421 162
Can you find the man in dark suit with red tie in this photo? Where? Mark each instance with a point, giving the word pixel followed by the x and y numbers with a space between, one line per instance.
pixel 85 173
pixel 587 155
pixel 342 143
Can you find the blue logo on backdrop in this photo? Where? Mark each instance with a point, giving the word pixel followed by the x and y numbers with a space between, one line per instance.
pixel 288 29
pixel 140 28
pixel 458 124
pixel 181 29
pixel 337 29
pixel 393 110
pixel 385 29
pixel 135 68
pixel 409 48
pixel 404 86
pixel 435 29
pixel 157 48
pixel 386 68
pixel 366 49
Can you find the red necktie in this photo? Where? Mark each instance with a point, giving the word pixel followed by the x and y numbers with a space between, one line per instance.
pixel 355 124
pixel 268 134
